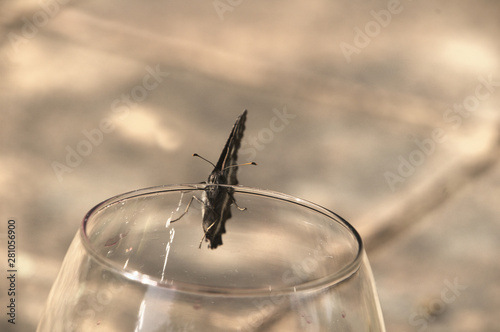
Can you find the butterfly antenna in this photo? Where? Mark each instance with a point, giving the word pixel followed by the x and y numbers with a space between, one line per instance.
pixel 208 161
pixel 245 164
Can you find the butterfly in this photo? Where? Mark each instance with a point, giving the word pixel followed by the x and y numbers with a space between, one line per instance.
pixel 216 200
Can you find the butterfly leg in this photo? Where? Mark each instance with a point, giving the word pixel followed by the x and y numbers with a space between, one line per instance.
pixel 236 204
pixel 203 238
pixel 187 208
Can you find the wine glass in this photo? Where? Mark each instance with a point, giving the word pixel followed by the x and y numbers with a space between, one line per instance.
pixel 284 264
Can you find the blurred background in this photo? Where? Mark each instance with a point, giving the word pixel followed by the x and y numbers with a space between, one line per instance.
pixel 386 112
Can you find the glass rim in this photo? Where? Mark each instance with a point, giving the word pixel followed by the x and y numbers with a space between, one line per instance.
pixel 330 279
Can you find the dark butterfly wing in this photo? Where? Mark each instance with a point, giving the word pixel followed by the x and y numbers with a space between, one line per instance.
pixel 229 155
pixel 216 212
pixel 218 200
